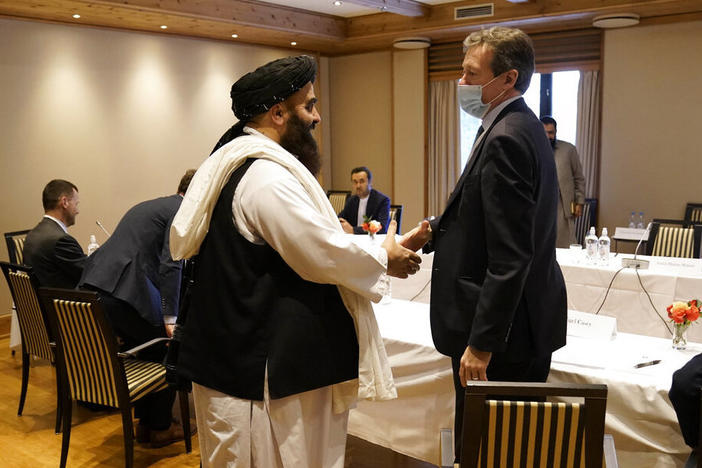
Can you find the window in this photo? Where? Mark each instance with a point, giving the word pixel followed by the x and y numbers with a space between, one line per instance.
pixel 554 94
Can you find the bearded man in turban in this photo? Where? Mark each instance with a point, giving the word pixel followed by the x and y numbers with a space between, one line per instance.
pixel 280 337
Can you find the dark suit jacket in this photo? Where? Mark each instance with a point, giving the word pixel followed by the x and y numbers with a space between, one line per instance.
pixel 685 396
pixel 135 263
pixel 496 284
pixel 55 256
pixel 378 208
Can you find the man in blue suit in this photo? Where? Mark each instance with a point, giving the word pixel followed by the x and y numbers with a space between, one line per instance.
pixel 139 286
pixel 498 299
pixel 365 202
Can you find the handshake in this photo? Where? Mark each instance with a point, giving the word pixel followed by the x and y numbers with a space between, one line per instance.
pixel 402 259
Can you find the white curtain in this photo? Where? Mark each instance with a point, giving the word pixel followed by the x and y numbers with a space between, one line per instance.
pixel 444 144
pixel 588 129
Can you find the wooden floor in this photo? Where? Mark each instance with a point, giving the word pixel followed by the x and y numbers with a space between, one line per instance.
pixel 29 441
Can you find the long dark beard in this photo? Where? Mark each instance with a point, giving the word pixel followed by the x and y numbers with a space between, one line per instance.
pixel 299 141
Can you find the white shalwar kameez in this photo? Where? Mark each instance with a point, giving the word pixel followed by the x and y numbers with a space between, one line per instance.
pixel 279 203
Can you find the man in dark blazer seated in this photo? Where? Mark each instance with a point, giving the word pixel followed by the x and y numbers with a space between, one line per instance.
pixel 372 204
pixel 54 255
pixel 139 286
pixel 498 299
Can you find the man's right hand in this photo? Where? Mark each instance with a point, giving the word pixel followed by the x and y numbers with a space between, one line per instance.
pixel 402 262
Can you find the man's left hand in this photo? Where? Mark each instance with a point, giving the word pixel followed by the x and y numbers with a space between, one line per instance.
pixel 474 365
pixel 170 328
pixel 348 229
pixel 417 237
pixel 578 210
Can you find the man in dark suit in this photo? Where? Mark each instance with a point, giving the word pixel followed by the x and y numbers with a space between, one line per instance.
pixel 365 202
pixel 498 299
pixel 685 396
pixel 55 256
pixel 139 285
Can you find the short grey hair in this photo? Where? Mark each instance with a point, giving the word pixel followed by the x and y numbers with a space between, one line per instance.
pixel 511 49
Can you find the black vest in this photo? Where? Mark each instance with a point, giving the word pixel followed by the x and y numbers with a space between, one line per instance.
pixel 250 308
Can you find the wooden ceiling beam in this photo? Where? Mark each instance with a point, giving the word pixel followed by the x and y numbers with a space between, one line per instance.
pixel 266 24
pixel 441 20
pixel 400 7
pixel 249 13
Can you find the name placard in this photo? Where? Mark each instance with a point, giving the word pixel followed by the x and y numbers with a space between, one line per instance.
pixel 585 325
pixel 632 234
pixel 684 266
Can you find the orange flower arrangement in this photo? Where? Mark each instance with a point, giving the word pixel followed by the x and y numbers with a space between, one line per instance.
pixel 371 226
pixel 682 314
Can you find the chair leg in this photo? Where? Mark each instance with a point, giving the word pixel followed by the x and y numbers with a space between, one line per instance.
pixel 59 400
pixel 66 411
pixel 128 431
pixel 185 419
pixel 25 379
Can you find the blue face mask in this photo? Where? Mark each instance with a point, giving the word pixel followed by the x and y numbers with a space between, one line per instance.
pixel 470 97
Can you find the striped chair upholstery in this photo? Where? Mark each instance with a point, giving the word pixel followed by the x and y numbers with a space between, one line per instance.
pixel 15 246
pixel 32 325
pixel 674 241
pixel 337 198
pixel 94 370
pixel 513 433
pixel 693 213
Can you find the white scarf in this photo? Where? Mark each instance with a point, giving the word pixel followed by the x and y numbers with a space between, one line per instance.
pixel 191 224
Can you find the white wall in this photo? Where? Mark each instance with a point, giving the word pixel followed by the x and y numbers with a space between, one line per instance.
pixel 377 120
pixel 651 124
pixel 120 114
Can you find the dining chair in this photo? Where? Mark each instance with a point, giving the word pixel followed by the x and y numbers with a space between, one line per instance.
pixel 674 241
pixel 521 432
pixel 92 368
pixel 396 214
pixel 36 340
pixel 15 246
pixel 693 213
pixel 587 219
pixel 338 198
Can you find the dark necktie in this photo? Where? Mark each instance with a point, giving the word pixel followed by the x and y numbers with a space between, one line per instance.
pixel 477 135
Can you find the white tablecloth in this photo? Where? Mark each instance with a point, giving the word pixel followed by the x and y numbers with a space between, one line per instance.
pixel 666 280
pixel 639 414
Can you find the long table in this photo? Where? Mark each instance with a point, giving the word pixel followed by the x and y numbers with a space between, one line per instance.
pixel 666 280
pixel 639 414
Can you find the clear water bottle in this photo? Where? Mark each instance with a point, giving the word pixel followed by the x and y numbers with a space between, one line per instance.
pixel 632 220
pixel 603 244
pixel 92 245
pixel 591 245
pixel 640 224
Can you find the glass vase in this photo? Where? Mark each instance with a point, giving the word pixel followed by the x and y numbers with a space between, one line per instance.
pixel 680 335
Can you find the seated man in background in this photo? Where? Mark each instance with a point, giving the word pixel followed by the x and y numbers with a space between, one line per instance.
pixel 54 255
pixel 685 396
pixel 366 201
pixel 139 286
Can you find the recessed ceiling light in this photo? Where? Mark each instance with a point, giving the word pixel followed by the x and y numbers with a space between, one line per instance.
pixel 293 43
pixel 163 26
pixel 616 20
pixel 76 16
pixel 235 36
pixel 338 3
pixel 411 43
